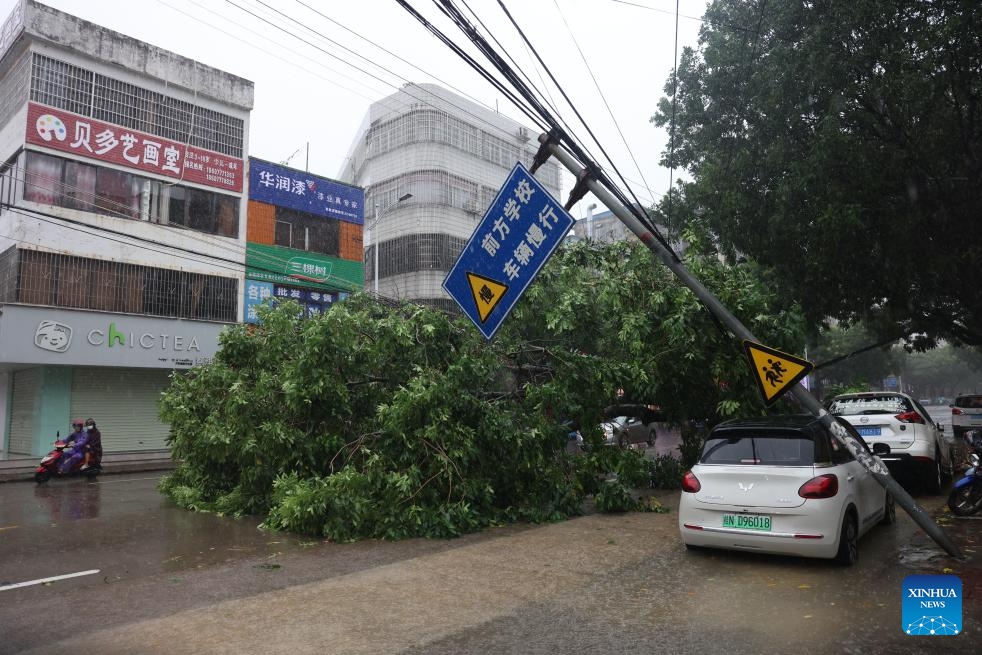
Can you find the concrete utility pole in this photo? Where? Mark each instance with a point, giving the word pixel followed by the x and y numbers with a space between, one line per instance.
pixel 807 400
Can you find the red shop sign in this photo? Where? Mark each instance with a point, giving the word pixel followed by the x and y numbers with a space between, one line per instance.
pixel 68 132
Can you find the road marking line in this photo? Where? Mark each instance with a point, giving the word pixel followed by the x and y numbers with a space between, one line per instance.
pixel 9 527
pixel 51 579
pixel 126 480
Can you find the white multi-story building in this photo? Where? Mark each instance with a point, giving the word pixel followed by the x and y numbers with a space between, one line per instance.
pixel 122 226
pixel 431 163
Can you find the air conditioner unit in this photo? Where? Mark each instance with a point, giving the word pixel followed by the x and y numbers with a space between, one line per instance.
pixel 470 206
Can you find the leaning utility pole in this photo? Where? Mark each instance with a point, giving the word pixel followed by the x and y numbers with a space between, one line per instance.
pixel 586 181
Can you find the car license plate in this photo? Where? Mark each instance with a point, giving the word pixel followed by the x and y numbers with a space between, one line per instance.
pixel 747 522
pixel 869 432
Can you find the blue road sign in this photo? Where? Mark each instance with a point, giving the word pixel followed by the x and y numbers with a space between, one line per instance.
pixel 516 237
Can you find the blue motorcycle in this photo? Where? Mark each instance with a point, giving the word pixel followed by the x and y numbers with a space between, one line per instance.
pixel 966 495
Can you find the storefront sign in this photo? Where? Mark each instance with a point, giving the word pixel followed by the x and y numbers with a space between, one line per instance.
pixel 286 187
pixel 42 335
pixel 313 303
pixel 256 293
pixel 310 270
pixel 86 137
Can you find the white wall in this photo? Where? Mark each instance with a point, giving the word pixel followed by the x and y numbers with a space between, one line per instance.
pixel 13 134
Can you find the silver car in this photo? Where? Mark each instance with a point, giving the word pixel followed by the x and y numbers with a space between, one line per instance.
pixel 897 420
pixel 627 431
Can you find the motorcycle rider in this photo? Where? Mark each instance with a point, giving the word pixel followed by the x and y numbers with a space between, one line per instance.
pixel 93 449
pixel 77 440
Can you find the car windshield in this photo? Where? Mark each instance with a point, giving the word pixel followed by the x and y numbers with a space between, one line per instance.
pixel 885 404
pixel 753 448
pixel 968 401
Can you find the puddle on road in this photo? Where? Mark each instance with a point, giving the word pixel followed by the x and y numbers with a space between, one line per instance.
pixel 915 556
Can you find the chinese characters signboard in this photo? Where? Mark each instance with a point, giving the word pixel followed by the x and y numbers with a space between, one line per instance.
pixel 256 293
pixel 310 270
pixel 286 187
pixel 312 302
pixel 516 237
pixel 86 137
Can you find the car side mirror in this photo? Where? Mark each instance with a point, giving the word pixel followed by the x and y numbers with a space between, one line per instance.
pixel 881 449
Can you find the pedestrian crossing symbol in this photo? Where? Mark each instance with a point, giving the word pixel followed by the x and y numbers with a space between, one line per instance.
pixel 774 371
pixel 487 293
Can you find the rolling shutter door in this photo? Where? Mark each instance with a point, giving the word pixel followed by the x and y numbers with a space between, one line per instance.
pixel 26 384
pixel 123 402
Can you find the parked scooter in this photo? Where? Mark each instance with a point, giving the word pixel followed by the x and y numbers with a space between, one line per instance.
pixel 966 495
pixel 49 468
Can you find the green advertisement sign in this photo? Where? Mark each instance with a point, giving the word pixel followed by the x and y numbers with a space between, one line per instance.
pixel 303 269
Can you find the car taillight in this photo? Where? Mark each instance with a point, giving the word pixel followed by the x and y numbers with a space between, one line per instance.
pixel 955 411
pixel 909 417
pixel 690 483
pixel 824 486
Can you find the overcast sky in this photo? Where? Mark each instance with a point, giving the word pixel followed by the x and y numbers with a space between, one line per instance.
pixel 310 90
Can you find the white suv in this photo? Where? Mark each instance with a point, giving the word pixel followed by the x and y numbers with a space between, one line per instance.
pixel 966 414
pixel 897 420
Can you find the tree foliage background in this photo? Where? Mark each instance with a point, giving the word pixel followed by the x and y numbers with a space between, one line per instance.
pixel 391 422
pixel 839 144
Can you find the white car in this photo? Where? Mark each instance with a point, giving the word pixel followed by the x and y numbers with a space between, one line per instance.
pixel 966 414
pixel 897 420
pixel 782 485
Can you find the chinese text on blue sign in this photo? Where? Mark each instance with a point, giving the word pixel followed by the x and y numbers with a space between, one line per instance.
pixel 516 237
pixel 287 187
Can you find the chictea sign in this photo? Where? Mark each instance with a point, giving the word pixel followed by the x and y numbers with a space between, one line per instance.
pixel 40 335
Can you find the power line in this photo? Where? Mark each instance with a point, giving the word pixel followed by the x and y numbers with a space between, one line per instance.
pixel 447 6
pixel 604 98
pixel 198 18
pixel 671 138
pixel 408 90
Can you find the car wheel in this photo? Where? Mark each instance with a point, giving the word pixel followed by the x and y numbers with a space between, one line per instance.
pixel 889 510
pixel 652 435
pixel 966 501
pixel 848 541
pixel 933 474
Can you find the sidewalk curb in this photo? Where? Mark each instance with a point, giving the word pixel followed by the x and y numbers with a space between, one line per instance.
pixel 18 470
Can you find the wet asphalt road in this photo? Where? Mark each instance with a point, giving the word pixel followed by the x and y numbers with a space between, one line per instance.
pixel 172 581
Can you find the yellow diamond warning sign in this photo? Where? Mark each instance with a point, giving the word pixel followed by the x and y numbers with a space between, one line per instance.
pixel 775 371
pixel 487 293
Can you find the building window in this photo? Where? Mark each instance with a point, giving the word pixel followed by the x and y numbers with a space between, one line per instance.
pixel 66 86
pixel 310 232
pixel 116 192
pixel 284 234
pixel 433 187
pixel 46 278
pixel 43 181
pixel 412 253
pixel 72 184
pixel 80 186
